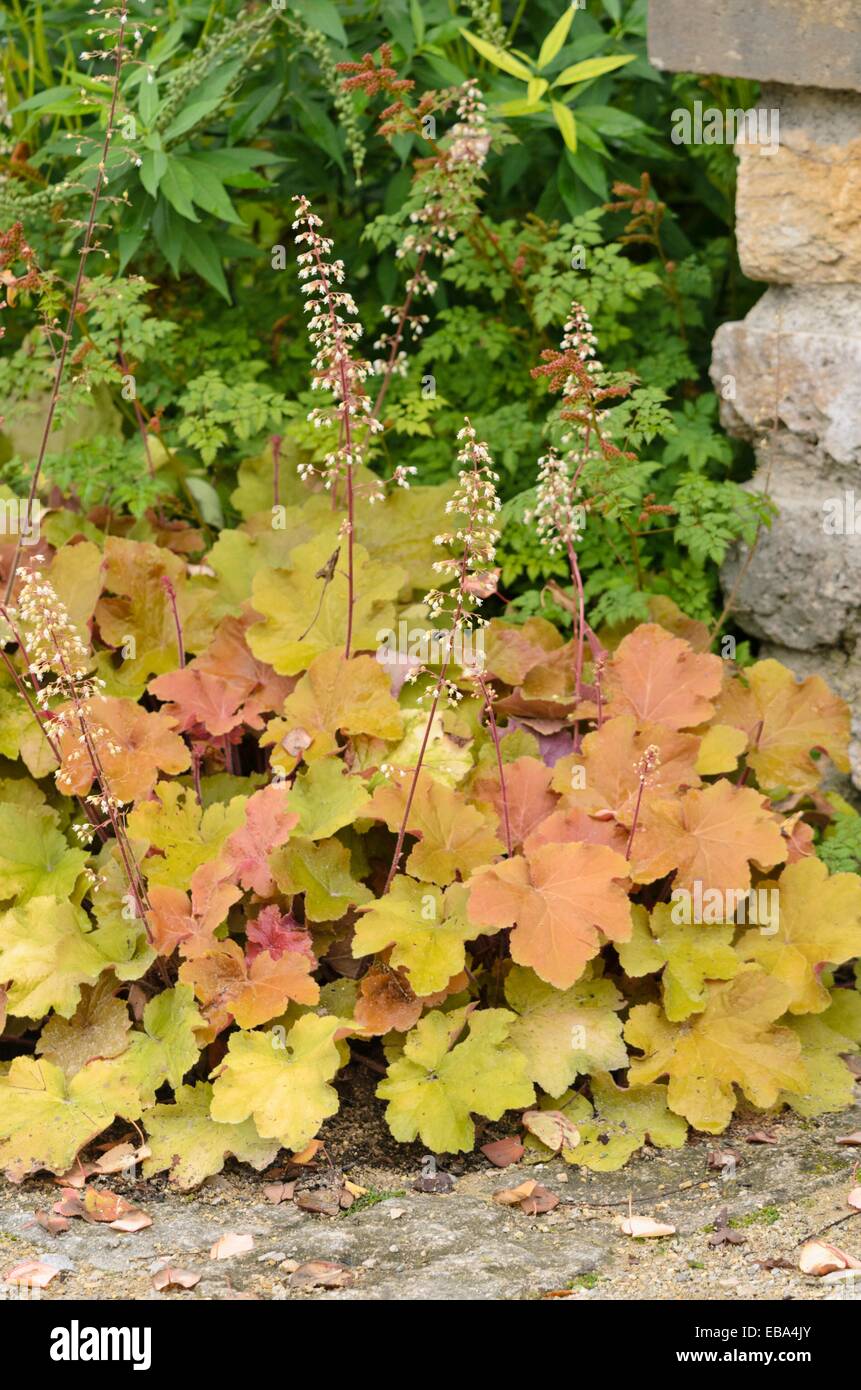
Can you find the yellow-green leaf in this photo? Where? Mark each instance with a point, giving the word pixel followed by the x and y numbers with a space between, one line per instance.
pixel 591 67
pixel 498 56
pixel 553 42
pixel 566 122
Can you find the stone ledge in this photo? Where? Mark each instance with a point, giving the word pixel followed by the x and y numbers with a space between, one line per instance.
pixel 806 43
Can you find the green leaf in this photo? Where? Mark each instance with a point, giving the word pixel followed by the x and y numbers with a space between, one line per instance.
pixel 177 185
pixel 418 20
pixel 591 67
pixel 152 169
pixel 323 15
pixel 498 57
pixel 440 1081
pixel 189 116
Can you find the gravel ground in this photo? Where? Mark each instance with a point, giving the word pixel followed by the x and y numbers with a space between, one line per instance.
pixel 397 1243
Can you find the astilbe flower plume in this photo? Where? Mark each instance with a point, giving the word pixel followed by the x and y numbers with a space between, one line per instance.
pixel 575 371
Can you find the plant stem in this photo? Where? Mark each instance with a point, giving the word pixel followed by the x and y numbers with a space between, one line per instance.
pixel 73 306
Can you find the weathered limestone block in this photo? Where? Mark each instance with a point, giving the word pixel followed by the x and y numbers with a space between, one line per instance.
pixel 807 43
pixel 802 588
pixel 798 206
pixel 798 353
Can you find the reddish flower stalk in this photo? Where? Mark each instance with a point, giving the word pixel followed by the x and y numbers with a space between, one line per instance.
pixel 86 248
pixel 336 370
pixel 487 696
pixel 476 499
pixel 275 441
pixel 195 755
pixel 646 766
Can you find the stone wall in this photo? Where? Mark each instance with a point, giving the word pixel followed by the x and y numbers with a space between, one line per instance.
pixel 789 375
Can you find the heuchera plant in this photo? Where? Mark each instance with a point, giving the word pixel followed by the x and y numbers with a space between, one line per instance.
pixel 250 829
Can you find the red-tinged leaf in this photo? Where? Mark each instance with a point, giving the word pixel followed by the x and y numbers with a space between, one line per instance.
pixel 170 1277
pixel 502 1153
pixel 530 800
pixel 760 1136
pixel 33 1274
pixel 557 898
pixel 278 933
pixel 268 824
pixel 227 1246
pixel 134 746
pixel 660 679
pixel 850 1139
pixel 199 698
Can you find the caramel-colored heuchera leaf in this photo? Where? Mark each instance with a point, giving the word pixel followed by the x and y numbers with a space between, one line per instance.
pixel 786 721
pixel 709 836
pixel 660 679
pixel 603 777
pixel 134 746
pixel 556 898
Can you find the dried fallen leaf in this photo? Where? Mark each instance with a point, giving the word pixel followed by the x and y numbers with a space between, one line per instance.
pixel 539 1201
pixel 853 1138
pixel 759 1136
pixel 775 1264
pixel 854 1198
pixel 134 1220
pixel 817 1257
pixel 32 1273
pixel 276 1192
pixel 503 1152
pixel 323 1201
pixel 434 1183
pixel 553 1128
pixel 54 1225
pixel 724 1159
pixel 723 1233
pixel 119 1158
pixel 513 1196
pixel 229 1245
pixel 643 1227
pixel 171 1278
pixel 321 1274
